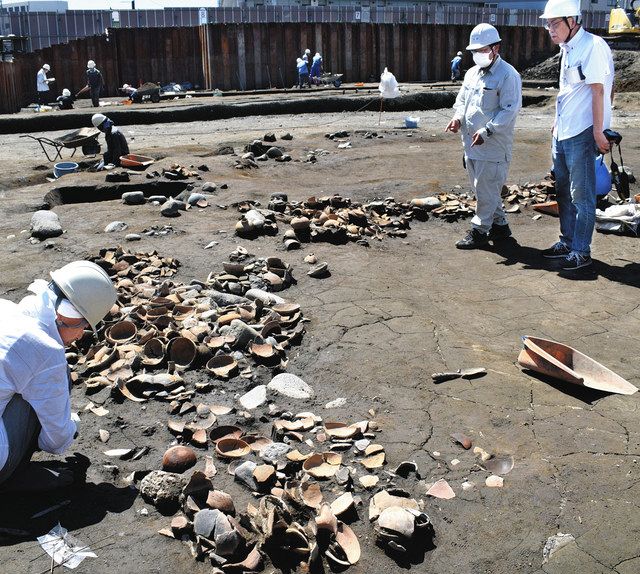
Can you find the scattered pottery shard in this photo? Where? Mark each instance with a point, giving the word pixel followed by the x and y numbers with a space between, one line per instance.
pixel 383 499
pixel 219 500
pixel 178 459
pixel 122 453
pixel 448 376
pixel 374 461
pixel 342 504
pixel 499 464
pixel 348 542
pixel 441 489
pixel 232 448
pixel 326 520
pixel 483 454
pixel 405 468
pixel 566 364
pixel 473 373
pixel 494 481
pixel 311 494
pixel 549 207
pixel 368 480
pixel 104 435
pixel 462 439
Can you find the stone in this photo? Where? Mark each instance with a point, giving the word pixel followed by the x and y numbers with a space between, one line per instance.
pixel 554 543
pixel 159 199
pixel 263 157
pixel 255 219
pixel 290 386
pixel 264 297
pixel 204 522
pixel 274 152
pixel 115 226
pixel 254 398
pixel 224 150
pixel 171 208
pixel 225 299
pixel 194 198
pixel 45 224
pixel 209 187
pixel 427 203
pixel 270 137
pixel 162 489
pixel 287 136
pixel 336 403
pixel 132 237
pixel 274 452
pixel 116 177
pixel 243 333
pixel 244 474
pixel 133 197
pixel 284 157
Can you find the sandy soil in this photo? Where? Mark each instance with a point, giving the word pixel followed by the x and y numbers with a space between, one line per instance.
pixel 387 317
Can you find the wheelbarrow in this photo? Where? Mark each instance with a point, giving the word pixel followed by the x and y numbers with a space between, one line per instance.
pixel 84 138
pixel 328 79
pixel 147 91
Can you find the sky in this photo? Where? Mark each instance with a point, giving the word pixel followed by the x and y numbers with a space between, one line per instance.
pixel 140 4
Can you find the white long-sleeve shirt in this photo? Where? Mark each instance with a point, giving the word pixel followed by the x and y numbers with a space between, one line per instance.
pixel 33 364
pixel 489 101
pixel 41 80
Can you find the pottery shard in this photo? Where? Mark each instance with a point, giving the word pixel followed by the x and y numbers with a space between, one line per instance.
pixel 254 398
pixel 45 224
pixel 178 459
pixel 162 489
pixel 244 473
pixel 441 489
pixel 382 500
pixel 290 386
pixel 115 226
pixel 133 197
pixel 264 297
pixel 204 522
pixel 219 500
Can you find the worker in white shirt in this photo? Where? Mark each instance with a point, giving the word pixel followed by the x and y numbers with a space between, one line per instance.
pixel 583 111
pixel 35 407
pixel 485 113
pixel 42 85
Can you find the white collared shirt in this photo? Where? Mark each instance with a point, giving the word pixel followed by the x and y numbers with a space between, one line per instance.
pixel 41 81
pixel 586 59
pixel 33 364
pixel 488 102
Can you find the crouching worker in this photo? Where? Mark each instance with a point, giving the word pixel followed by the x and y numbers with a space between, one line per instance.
pixel 116 142
pixel 35 405
pixel 65 101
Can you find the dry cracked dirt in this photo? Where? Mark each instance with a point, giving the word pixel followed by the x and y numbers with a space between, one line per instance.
pixel 387 317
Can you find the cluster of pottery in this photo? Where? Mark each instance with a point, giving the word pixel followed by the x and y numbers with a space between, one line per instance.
pixel 178 172
pixel 158 324
pixel 517 196
pixel 241 274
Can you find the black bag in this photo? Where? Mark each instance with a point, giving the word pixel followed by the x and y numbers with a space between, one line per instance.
pixel 619 177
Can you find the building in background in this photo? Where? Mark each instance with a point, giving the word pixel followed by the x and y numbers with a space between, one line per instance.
pixel 59 6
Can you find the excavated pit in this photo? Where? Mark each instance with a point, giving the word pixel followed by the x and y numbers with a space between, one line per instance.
pixel 87 193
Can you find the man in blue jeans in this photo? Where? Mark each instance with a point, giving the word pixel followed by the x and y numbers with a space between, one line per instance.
pixel 583 111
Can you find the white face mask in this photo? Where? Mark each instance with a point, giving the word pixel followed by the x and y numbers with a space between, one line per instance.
pixel 483 59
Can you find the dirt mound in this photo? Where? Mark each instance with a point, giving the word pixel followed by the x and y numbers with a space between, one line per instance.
pixel 627 64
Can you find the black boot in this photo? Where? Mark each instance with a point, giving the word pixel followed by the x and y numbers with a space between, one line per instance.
pixel 473 240
pixel 499 232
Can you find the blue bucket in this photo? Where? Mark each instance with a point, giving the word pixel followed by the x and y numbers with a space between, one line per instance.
pixel 64 167
pixel 410 122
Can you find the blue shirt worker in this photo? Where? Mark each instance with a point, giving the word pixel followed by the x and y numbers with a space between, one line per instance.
pixel 94 83
pixel 485 113
pixel 303 72
pixel 455 67
pixel 316 66
pixel 35 406
pixel 583 111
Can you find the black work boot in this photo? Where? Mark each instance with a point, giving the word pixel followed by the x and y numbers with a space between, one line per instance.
pixel 473 240
pixel 499 232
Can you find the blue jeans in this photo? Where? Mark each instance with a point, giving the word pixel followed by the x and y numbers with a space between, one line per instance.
pixel 574 165
pixel 23 427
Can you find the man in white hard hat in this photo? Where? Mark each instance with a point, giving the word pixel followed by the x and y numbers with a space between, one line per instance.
pixel 42 85
pixel 117 145
pixel 65 101
pixel 35 407
pixel 94 83
pixel 485 113
pixel 583 111
pixel 455 67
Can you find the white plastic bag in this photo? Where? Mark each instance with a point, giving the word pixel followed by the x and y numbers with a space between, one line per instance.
pixel 388 85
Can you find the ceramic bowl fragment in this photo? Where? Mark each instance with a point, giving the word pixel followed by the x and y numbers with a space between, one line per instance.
pixel 343 504
pixel 462 439
pixel 441 489
pixel 121 332
pixel 499 464
pixel 368 480
pixel 224 431
pixel 232 448
pixel 494 481
pixel 178 459
pixel 222 366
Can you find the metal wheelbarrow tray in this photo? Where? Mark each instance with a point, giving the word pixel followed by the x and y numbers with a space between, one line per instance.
pixel 85 138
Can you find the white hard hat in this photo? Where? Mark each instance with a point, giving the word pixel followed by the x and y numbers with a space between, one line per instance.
pixel 307 51
pixel 561 9
pixel 125 86
pixel 98 119
pixel 46 67
pixel 483 35
pixel 91 64
pixel 459 54
pixel 88 288
pixel 66 92
pixel 299 60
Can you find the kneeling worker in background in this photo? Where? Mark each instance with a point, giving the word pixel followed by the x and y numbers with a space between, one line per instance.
pixel 116 142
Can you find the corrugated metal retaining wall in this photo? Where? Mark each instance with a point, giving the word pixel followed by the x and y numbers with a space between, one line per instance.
pixel 251 56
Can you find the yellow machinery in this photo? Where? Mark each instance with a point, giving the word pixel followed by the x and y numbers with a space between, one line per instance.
pixel 624 27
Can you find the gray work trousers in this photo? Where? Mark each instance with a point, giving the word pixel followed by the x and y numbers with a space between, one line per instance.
pixel 23 428
pixel 487 179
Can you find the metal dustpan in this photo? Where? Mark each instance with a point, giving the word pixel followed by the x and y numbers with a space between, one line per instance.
pixel 566 364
